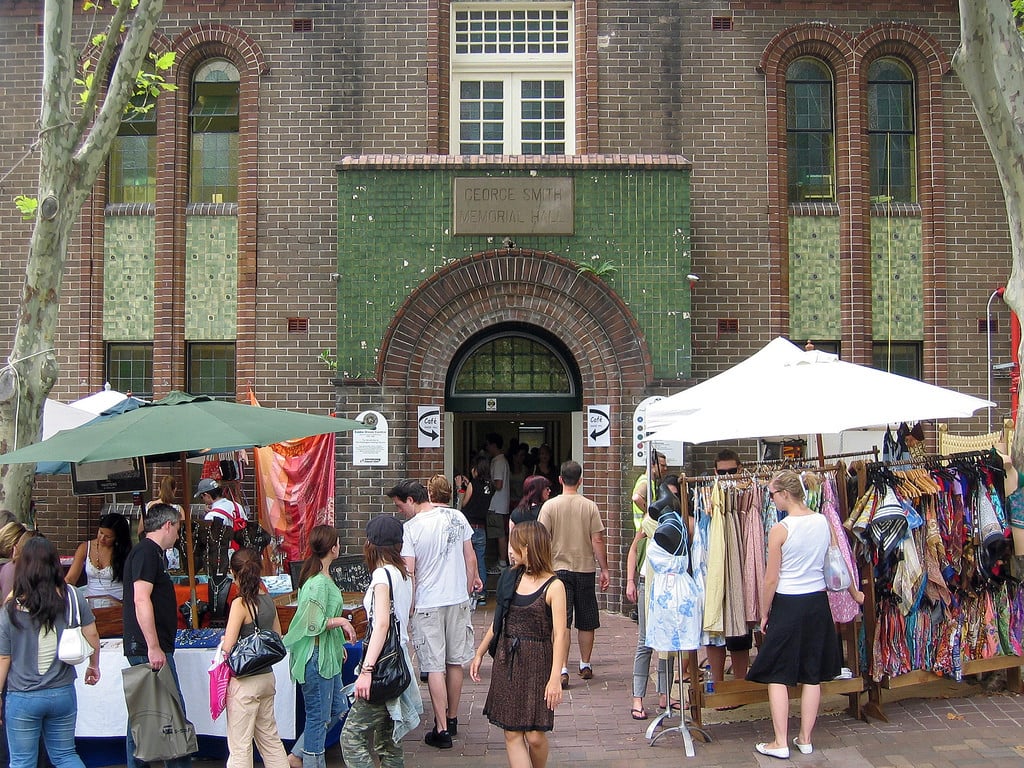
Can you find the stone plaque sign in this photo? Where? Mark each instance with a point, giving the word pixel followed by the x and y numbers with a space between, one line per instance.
pixel 513 206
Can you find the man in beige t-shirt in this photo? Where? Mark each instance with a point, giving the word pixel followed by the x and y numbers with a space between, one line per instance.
pixel 577 540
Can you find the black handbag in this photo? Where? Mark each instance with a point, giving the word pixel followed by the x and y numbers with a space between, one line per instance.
pixel 257 652
pixel 390 676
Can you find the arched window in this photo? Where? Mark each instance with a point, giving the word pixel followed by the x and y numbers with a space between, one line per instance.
pixel 520 370
pixel 892 132
pixel 810 131
pixel 213 176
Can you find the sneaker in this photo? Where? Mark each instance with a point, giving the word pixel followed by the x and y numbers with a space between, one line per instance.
pixel 439 739
pixel 453 726
pixel 587 673
pixel 494 570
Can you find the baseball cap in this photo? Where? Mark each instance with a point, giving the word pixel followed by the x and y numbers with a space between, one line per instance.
pixel 206 485
pixel 384 531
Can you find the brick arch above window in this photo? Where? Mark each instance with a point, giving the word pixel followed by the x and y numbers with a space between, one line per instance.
pixel 207 40
pixel 515 286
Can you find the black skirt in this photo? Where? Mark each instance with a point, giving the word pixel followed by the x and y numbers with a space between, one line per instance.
pixel 801 645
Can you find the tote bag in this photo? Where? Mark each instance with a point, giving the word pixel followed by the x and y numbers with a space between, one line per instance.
pixel 155 714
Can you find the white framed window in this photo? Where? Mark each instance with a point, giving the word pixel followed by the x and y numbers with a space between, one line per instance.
pixel 512 79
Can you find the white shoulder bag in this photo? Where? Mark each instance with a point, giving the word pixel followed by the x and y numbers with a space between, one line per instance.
pixel 73 648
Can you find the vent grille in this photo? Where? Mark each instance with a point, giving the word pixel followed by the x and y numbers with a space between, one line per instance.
pixel 302 25
pixel 985 327
pixel 39 29
pixel 728 326
pixel 298 325
pixel 721 23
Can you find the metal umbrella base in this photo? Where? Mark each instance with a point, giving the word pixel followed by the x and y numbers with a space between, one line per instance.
pixel 685 725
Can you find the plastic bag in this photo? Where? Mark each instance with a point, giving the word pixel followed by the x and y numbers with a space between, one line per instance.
pixel 220 676
pixel 837 574
pixel 155 714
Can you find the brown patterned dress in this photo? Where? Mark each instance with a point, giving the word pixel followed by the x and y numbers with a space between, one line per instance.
pixel 522 666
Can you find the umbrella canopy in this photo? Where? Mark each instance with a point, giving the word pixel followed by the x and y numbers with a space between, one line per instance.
pixel 57 417
pixel 784 390
pixel 177 424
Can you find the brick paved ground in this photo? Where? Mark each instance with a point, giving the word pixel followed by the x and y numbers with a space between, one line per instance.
pixel 593 727
pixel 944 725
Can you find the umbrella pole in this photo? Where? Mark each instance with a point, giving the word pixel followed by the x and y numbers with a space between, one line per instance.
pixel 193 602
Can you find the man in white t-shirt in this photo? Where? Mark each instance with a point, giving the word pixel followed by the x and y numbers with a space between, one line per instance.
pixel 438 551
pixel 497 518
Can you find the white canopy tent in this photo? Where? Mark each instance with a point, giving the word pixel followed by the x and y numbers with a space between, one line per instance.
pixel 785 390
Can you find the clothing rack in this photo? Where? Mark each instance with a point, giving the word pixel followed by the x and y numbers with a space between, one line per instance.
pixel 811 462
pixel 1011 663
pixel 732 693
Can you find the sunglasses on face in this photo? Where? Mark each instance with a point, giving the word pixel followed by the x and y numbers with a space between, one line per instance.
pixel 729 471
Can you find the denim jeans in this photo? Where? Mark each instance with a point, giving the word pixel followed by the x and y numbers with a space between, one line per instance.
pixel 50 710
pixel 325 705
pixel 180 762
pixel 480 547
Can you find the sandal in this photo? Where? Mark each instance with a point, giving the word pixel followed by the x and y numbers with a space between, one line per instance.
pixel 673 706
pixel 639 713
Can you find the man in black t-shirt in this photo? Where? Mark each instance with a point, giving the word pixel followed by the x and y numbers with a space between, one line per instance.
pixel 149 610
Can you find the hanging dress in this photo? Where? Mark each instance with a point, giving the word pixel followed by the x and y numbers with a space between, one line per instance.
pixel 674 603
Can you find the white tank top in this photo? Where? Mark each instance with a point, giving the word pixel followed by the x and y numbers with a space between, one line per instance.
pixel 803 554
pixel 100 581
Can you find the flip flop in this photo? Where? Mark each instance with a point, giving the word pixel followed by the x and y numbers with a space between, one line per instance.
pixel 638 714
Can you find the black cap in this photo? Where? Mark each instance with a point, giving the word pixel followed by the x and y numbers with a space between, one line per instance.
pixel 384 531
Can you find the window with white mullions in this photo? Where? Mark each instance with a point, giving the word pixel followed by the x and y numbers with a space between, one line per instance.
pixel 512 72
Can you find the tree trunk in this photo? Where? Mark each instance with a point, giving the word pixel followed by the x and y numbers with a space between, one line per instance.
pixel 70 159
pixel 990 62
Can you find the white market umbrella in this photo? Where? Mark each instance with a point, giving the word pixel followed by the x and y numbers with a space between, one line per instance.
pixel 784 390
pixel 58 416
pixel 102 401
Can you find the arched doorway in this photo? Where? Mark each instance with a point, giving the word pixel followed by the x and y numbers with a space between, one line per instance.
pixel 575 317
pixel 515 380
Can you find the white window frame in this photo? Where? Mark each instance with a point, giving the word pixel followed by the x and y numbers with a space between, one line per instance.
pixel 512 70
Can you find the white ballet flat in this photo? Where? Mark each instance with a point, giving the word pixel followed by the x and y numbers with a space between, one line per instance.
pixel 780 752
pixel 805 749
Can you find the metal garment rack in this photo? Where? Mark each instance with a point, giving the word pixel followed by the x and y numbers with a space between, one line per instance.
pixel 730 693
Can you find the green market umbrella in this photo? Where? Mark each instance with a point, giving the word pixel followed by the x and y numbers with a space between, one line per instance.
pixel 178 423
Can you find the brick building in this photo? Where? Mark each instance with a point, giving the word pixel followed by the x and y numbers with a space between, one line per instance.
pixel 415 186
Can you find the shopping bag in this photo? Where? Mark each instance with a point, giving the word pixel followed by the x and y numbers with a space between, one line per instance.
pixel 155 714
pixel 220 676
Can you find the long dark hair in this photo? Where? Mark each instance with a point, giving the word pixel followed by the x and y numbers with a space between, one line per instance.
pixel 118 524
pixel 39 585
pixel 247 568
pixel 321 539
pixel 377 557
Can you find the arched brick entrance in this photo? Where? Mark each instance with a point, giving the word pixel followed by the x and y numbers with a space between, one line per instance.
pixel 546 291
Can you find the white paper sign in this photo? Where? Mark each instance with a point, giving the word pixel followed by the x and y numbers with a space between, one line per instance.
pixel 428 426
pixel 673 450
pixel 370 446
pixel 599 426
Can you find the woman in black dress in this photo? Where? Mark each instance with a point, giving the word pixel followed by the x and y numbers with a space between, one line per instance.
pixel 800 644
pixel 532 646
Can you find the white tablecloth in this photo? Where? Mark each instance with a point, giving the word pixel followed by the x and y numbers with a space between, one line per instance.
pixel 101 709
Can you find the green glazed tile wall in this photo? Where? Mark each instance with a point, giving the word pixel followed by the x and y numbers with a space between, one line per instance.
pixel 394 232
pixel 211 278
pixel 814 273
pixel 128 275
pixel 896 254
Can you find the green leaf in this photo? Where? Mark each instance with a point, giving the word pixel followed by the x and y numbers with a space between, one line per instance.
pixel 164 61
pixel 27 206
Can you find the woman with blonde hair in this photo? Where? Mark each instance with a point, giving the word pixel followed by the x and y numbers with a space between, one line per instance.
pixel 800 643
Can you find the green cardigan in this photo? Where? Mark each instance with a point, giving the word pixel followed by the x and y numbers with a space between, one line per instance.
pixel 319 600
